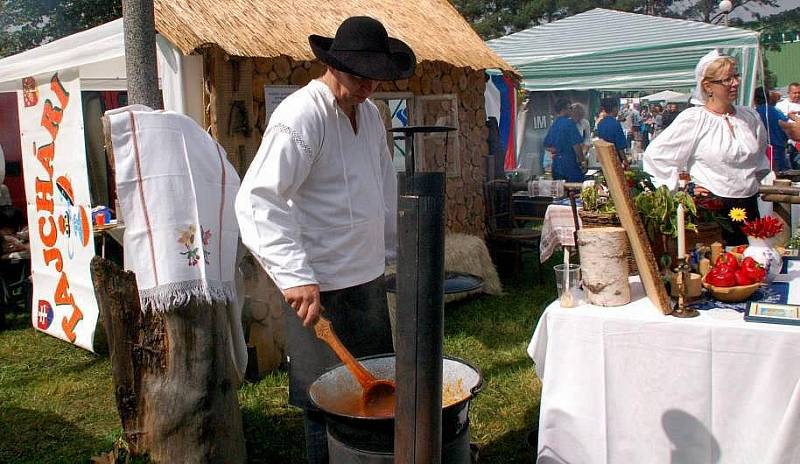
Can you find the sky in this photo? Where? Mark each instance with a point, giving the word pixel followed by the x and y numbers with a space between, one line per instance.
pixel 740 12
pixel 765 11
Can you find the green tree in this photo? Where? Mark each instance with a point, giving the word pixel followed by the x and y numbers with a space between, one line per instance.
pixel 771 29
pixel 25 24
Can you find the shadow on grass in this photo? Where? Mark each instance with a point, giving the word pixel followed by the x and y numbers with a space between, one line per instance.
pixel 28 436
pixel 274 438
pixel 15 320
pixel 514 446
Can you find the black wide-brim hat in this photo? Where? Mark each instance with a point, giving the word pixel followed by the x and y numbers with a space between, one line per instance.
pixel 363 47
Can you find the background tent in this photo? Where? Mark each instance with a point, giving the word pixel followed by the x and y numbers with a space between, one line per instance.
pixel 51 99
pixel 99 56
pixel 663 96
pixel 605 49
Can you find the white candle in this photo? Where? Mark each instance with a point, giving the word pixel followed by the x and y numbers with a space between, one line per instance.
pixel 681 233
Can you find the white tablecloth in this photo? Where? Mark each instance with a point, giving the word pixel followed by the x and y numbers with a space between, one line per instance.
pixel 557 230
pixel 629 385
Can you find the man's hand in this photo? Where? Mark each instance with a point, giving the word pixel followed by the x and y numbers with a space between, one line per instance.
pixel 701 191
pixel 305 300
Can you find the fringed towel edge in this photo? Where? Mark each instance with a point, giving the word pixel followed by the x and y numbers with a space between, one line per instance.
pixel 168 297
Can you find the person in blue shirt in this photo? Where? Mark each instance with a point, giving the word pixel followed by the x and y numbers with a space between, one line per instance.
pixel 771 116
pixel 563 141
pixel 610 130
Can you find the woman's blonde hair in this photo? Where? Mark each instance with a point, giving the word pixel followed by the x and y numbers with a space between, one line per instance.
pixel 717 70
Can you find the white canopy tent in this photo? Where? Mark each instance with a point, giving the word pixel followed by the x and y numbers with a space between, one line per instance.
pixel 99 56
pixel 605 50
pixel 664 95
pixel 45 81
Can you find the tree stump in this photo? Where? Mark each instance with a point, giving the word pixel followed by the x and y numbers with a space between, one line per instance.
pixel 173 374
pixel 604 265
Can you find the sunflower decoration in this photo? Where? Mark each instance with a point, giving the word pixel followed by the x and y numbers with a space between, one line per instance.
pixel 737 214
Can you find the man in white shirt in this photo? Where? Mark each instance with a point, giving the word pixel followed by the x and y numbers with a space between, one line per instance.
pixel 790 106
pixel 318 205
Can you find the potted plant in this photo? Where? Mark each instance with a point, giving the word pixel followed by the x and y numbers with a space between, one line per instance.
pixel 598 207
pixel 658 209
pixel 710 220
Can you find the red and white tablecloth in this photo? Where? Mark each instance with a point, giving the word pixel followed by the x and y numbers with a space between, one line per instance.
pixel 557 230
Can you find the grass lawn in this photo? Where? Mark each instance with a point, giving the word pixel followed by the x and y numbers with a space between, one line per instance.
pixel 57 405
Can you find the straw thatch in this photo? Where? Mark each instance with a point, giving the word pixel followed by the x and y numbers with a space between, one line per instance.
pixel 259 28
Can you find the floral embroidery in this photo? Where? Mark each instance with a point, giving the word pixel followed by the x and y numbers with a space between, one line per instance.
pixel 194 253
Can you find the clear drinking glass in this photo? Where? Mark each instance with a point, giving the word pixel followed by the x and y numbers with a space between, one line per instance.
pixel 568 283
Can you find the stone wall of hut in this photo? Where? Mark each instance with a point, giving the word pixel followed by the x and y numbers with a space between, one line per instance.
pixel 230 80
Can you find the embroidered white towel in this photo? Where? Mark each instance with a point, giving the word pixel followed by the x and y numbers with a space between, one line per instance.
pixel 176 190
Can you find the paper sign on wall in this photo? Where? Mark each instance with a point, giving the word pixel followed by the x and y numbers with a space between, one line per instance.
pixel 275 94
pixel 58 203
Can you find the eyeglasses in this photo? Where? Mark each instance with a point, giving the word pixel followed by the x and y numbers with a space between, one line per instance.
pixel 728 81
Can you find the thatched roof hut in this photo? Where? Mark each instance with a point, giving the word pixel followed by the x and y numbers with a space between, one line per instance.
pixel 249 44
pixel 250 28
pixel 251 47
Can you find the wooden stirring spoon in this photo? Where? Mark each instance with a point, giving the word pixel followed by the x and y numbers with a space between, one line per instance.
pixel 379 395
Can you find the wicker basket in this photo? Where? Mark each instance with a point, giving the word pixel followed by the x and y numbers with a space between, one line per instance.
pixel 592 219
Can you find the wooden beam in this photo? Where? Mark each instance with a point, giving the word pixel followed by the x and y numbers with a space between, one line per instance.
pixel 778 198
pixel 780 190
pixel 629 217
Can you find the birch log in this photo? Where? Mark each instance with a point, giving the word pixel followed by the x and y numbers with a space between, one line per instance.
pixel 604 265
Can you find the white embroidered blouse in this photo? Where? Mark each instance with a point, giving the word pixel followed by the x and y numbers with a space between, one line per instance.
pixel 724 153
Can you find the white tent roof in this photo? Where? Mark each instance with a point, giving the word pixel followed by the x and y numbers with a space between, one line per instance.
pixel 98 52
pixel 680 98
pixel 664 95
pixel 606 49
pixel 99 55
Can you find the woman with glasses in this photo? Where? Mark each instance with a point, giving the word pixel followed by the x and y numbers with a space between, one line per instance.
pixel 720 144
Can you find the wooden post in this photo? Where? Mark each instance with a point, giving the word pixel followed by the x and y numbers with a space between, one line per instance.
pixel 173 374
pixel 629 218
pixel 781 201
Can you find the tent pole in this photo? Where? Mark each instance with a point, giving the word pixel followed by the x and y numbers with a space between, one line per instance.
pixel 140 53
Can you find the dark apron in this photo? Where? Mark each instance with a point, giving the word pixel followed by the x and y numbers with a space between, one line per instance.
pixel 360 318
pixel 750 205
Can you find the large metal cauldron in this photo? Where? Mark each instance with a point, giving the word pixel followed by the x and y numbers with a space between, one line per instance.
pixel 353 437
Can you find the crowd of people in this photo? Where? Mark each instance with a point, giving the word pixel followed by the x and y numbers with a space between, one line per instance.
pixel 570 136
pixel 725 148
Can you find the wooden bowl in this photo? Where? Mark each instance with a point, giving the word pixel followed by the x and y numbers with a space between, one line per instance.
pixel 732 294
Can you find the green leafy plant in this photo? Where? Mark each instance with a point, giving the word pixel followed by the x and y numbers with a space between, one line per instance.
pixel 658 209
pixel 596 199
pixel 794 242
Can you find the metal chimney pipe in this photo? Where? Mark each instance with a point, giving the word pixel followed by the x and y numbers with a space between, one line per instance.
pixel 420 318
